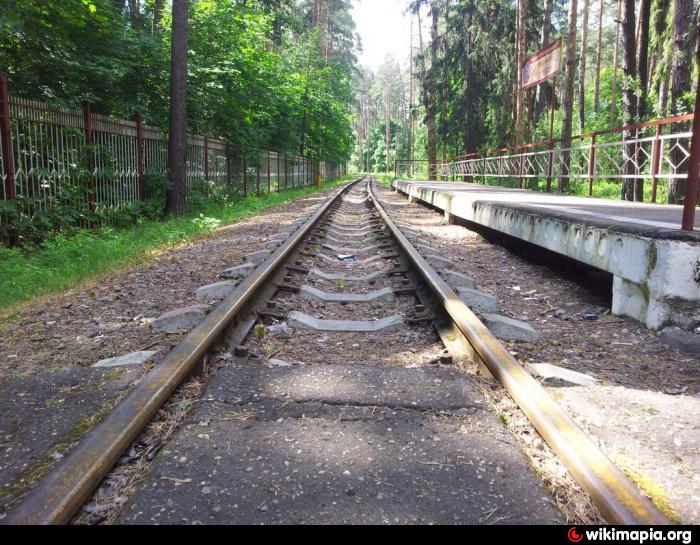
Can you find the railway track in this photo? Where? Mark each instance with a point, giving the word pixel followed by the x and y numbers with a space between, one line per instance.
pixel 346 289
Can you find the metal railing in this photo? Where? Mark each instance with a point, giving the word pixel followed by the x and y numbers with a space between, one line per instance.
pixel 594 164
pixel 46 150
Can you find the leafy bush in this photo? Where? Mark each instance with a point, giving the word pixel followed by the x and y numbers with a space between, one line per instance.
pixel 206 225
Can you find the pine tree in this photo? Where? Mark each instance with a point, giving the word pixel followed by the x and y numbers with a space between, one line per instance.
pixel 176 197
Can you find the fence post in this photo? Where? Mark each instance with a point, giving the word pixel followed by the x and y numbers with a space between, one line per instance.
pixel 655 163
pixel 691 190
pixel 6 138
pixel 139 156
pixel 228 164
pixel 257 176
pixel 279 178
pixel 206 158
pixel 286 179
pixel 591 165
pixel 269 185
pixel 89 152
pixel 245 176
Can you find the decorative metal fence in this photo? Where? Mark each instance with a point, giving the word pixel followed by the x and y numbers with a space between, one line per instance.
pixel 47 152
pixel 655 153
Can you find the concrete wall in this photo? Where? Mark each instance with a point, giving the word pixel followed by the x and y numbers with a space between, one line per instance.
pixel 656 281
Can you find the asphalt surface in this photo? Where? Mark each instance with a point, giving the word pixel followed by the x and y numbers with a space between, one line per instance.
pixel 341 445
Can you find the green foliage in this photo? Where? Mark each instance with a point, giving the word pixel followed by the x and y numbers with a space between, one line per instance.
pixel 205 224
pixel 64 260
pixel 259 74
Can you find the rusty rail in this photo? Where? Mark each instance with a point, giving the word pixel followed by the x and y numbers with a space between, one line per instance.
pixel 59 496
pixel 613 493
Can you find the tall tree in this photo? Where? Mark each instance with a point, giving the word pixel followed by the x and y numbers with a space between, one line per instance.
pixel 543 88
pixel 387 120
pixel 582 69
pixel 176 197
pixel 629 100
pixel 158 6
pixel 643 58
pixel 411 113
pixel 568 98
pixel 521 46
pixel 616 61
pixel 431 91
pixel 598 58
pixel 662 51
pixel 683 39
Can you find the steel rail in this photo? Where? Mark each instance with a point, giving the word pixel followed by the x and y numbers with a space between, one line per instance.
pixel 617 498
pixel 59 495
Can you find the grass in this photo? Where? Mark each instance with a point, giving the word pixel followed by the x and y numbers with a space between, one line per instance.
pixel 41 467
pixel 64 262
pixel 650 488
pixel 384 179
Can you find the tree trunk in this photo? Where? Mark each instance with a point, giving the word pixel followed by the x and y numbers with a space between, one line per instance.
pixel 158 6
pixel 135 14
pixel 521 44
pixel 613 90
pixel 643 70
pixel 643 58
pixel 662 60
pixel 387 117
pixel 423 74
pixel 598 56
pixel 582 69
pixel 568 98
pixel 409 151
pixel 176 197
pixel 629 101
pixel 683 41
pixel 431 91
pixel 543 89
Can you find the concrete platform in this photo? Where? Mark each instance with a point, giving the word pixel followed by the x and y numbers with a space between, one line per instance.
pixel 341 445
pixel 656 265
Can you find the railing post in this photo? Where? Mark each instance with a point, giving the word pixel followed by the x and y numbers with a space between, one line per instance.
pixel 269 185
pixel 286 179
pixel 550 166
pixel 691 190
pixel 89 153
pixel 591 165
pixel 655 163
pixel 6 140
pixel 521 159
pixel 139 156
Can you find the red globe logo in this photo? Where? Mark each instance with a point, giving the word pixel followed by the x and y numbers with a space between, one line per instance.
pixel 574 536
